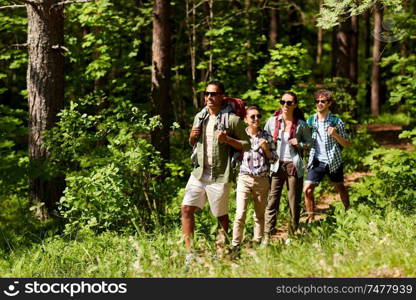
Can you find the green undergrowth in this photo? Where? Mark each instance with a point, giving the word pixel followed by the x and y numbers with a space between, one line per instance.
pixel 363 242
pixel 388 118
pixel 374 238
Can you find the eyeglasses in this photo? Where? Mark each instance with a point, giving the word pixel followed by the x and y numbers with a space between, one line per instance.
pixel 213 94
pixel 321 101
pixel 288 103
pixel 255 116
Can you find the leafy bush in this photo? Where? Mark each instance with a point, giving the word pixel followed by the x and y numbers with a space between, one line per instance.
pixel 13 151
pixel 113 172
pixel 393 180
pixel 284 69
pixel 390 118
pixel 402 85
pixel 362 143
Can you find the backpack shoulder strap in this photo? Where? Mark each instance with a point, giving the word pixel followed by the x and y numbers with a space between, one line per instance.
pixel 276 129
pixel 334 120
pixel 310 121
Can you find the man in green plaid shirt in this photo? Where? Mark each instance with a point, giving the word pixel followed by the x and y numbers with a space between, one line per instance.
pixel 329 136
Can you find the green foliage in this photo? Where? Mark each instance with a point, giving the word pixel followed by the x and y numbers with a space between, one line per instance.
pixel 335 11
pixel 402 84
pixel 284 68
pixel 110 38
pixel 393 180
pixel 112 171
pixel 13 160
pixel 362 143
pixel 389 118
pixel 409 134
pixel 360 243
pixel 13 59
pixel 227 39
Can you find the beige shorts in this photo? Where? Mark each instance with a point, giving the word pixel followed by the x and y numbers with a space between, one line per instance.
pixel 197 192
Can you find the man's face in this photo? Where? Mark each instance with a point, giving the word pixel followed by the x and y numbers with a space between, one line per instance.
pixel 322 104
pixel 213 96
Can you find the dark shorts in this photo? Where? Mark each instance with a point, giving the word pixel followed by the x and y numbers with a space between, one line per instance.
pixel 318 170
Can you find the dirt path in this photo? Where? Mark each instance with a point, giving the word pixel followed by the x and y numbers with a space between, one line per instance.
pixel 385 135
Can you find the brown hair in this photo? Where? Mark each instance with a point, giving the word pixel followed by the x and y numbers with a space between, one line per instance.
pixel 322 92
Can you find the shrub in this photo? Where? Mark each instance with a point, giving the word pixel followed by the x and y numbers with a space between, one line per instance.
pixel 113 173
pixel 393 180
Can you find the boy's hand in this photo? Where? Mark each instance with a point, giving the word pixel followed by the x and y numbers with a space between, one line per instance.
pixel 263 144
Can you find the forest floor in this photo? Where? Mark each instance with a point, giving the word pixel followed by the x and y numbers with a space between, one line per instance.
pixel 386 135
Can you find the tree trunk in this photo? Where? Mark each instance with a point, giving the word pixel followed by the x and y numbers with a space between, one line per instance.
pixel 296 25
pixel 190 24
pixel 319 40
pixel 334 51
pixel 250 72
pixel 354 51
pixel 375 74
pixel 367 48
pixel 160 90
pixel 344 45
pixel 45 85
pixel 274 14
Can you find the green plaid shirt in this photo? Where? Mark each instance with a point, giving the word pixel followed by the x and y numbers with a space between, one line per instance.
pixel 332 148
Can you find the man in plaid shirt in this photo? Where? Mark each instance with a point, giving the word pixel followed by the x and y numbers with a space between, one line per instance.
pixel 329 135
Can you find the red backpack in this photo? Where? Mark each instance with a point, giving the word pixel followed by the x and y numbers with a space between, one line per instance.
pixel 238 105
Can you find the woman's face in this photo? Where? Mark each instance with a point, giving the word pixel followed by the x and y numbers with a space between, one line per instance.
pixel 288 104
pixel 253 117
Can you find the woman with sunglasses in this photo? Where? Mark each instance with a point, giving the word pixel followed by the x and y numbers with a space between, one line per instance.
pixel 292 137
pixel 253 178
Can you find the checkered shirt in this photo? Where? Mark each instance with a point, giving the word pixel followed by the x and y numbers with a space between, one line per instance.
pixel 332 148
pixel 255 161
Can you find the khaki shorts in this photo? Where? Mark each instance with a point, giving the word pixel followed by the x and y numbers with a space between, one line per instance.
pixel 197 192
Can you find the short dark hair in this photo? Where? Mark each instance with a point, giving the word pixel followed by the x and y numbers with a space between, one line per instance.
pixel 219 84
pixel 295 98
pixel 323 92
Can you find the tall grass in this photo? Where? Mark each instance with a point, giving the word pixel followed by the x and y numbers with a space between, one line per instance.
pixel 359 243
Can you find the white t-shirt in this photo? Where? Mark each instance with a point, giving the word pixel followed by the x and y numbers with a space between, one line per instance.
pixel 285 148
pixel 208 141
pixel 320 152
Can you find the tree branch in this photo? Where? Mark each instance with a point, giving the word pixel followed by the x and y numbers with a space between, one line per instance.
pixel 19 45
pixel 69 2
pixel 60 47
pixel 12 6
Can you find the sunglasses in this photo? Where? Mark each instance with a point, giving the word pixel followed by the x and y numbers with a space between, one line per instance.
pixel 321 101
pixel 213 94
pixel 288 103
pixel 255 116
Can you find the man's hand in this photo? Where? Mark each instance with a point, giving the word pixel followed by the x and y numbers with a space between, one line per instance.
pixel 341 140
pixel 221 136
pixel 332 131
pixel 195 132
